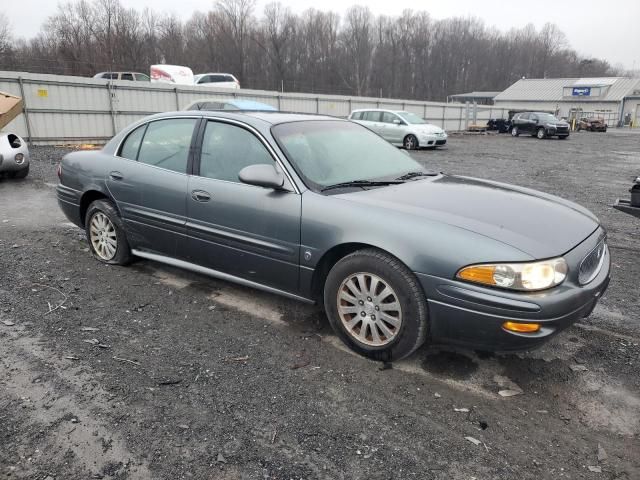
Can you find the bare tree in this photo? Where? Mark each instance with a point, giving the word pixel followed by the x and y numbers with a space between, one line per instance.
pixel 407 56
pixel 6 39
pixel 237 16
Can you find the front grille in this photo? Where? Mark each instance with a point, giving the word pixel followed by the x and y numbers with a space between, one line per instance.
pixel 592 263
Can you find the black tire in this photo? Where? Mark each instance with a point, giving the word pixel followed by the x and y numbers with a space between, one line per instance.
pixel 515 132
pixel 410 142
pixel 539 135
pixel 412 331
pixel 21 173
pixel 122 254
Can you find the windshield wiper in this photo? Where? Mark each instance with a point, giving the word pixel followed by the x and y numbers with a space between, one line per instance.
pixel 361 183
pixel 410 175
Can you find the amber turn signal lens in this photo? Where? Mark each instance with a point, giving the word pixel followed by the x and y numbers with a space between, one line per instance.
pixel 521 327
pixel 478 274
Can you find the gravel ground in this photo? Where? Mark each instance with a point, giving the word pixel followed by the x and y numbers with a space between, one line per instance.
pixel 149 372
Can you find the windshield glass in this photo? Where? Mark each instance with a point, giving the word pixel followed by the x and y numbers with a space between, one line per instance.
pixel 329 152
pixel 547 118
pixel 412 118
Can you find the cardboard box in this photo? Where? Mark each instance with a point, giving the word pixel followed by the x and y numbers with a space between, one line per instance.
pixel 10 108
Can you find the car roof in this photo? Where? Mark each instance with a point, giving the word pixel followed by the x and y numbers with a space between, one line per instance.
pixel 273 118
pixel 217 73
pixel 239 104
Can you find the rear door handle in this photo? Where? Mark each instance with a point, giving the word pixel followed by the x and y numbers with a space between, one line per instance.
pixel 200 196
pixel 116 175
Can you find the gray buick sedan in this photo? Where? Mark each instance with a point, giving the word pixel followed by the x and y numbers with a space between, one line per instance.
pixel 325 211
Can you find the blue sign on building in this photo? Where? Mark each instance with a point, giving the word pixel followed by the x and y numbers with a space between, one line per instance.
pixel 581 91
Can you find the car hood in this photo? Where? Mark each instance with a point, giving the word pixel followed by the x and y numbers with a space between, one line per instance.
pixel 538 224
pixel 427 128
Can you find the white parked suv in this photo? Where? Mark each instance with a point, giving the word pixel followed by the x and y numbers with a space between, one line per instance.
pixel 403 129
pixel 219 80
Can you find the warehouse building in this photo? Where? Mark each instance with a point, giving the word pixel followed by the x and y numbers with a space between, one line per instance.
pixel 615 99
pixel 479 98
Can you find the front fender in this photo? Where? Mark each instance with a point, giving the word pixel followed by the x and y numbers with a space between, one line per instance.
pixel 424 245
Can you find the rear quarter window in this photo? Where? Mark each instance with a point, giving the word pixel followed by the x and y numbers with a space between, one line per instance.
pixel 131 145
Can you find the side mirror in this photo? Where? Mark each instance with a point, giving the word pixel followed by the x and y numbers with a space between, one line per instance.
pixel 262 175
pixel 397 121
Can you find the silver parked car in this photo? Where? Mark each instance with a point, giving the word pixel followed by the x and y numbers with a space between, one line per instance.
pixel 14 156
pixel 323 210
pixel 403 129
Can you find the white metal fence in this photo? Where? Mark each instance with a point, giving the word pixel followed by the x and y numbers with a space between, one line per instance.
pixel 62 109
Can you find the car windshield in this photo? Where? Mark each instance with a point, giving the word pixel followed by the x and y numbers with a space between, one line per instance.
pixel 412 118
pixel 547 117
pixel 329 152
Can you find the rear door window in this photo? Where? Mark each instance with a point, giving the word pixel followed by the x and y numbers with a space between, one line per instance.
pixel 372 116
pixel 127 76
pixel 166 143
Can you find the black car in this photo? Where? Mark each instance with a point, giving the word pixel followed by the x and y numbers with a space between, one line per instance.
pixel 501 125
pixel 539 124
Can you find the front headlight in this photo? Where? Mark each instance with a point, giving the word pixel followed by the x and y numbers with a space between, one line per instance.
pixel 517 276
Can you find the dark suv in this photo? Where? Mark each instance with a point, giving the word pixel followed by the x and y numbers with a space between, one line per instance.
pixel 539 124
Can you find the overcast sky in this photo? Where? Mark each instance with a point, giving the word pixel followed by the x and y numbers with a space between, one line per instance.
pixel 608 29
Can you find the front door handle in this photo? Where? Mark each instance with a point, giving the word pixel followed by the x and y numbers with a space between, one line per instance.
pixel 116 175
pixel 200 196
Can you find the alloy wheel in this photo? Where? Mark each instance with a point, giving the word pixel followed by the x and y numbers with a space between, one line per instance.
pixel 369 309
pixel 410 142
pixel 103 236
pixel 540 133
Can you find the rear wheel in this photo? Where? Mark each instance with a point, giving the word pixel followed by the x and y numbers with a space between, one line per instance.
pixel 410 142
pixel 541 133
pixel 106 235
pixel 376 305
pixel 515 132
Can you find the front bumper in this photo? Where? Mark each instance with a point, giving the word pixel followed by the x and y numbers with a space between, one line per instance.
pixel 472 316
pixel 432 140
pixel 557 131
pixel 8 161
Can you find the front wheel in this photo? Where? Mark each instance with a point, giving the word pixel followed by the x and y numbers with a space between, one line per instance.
pixel 410 142
pixel 376 305
pixel 105 233
pixel 541 133
pixel 515 132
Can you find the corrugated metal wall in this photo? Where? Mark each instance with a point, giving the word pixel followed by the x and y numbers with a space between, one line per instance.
pixel 62 109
